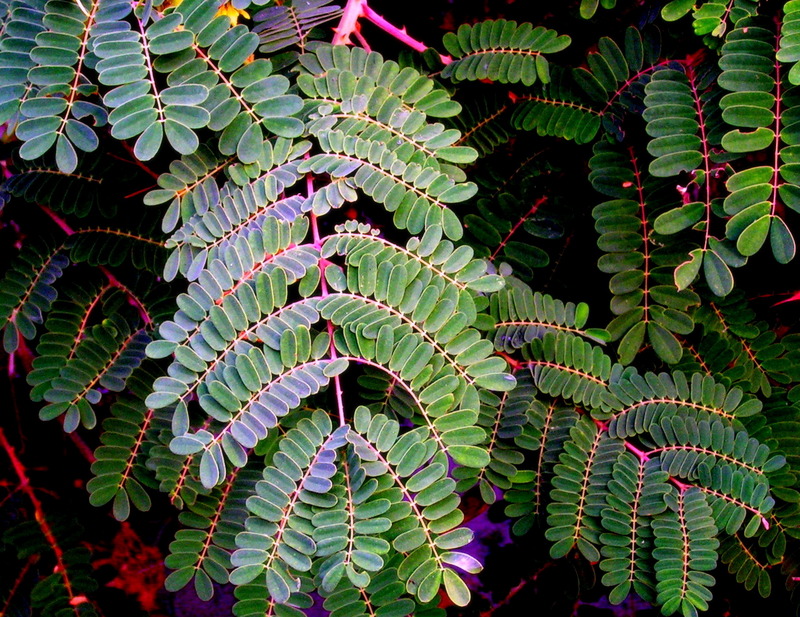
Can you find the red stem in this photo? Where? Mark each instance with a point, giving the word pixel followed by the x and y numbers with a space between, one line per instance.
pixel 137 162
pixel 31 560
pixel 38 511
pixel 514 229
pixel 513 363
pixel 81 445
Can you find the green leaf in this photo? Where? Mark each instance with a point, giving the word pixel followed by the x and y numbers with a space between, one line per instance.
pixel 687 272
pixel 718 274
pixel 456 589
pixel 781 241
pixel 664 343
pixel 469 456
pixel 740 141
pixel 149 142
pixel 631 343
pixel 676 9
pixel 753 237
pixel 678 219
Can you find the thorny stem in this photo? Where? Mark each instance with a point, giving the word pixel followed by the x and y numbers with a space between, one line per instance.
pixel 20 578
pixel 363 42
pixel 356 9
pixel 348 22
pixel 47 531
pixel 400 35
pixel 113 280
pixel 324 288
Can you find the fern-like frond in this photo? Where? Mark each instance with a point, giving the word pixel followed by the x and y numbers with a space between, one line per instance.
pixel 253 221
pixel 27 292
pixel 198 360
pixel 760 105
pixel 66 326
pixel 427 258
pixel 201 552
pixel 119 467
pixel 418 193
pixel 102 361
pixel 23 23
pixel 261 398
pixel 502 51
pixel 685 445
pixel 557 111
pixel 685 551
pixel 635 493
pixel 650 398
pixel 507 420
pixel 743 350
pixel 683 118
pixel 510 233
pixel 565 366
pixel 244 98
pixel 141 108
pixel 189 186
pixel 527 496
pixel 60 67
pixel 417 485
pixel 520 315
pixel 484 123
pixel 615 75
pixel 746 564
pixel 102 246
pixel 385 592
pixel 578 493
pixel 279 27
pixel 647 305
pixel 79 192
pixel 178 476
pixel 278 534
pixel 345 93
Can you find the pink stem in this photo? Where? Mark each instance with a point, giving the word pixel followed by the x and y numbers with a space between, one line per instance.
pixel 324 287
pixel 681 486
pixel 348 23
pixel 356 9
pixel 640 454
pixel 400 35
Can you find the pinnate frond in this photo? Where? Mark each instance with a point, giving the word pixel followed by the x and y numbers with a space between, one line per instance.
pixel 502 51
pixel 279 27
pixel 27 291
pixel 685 529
